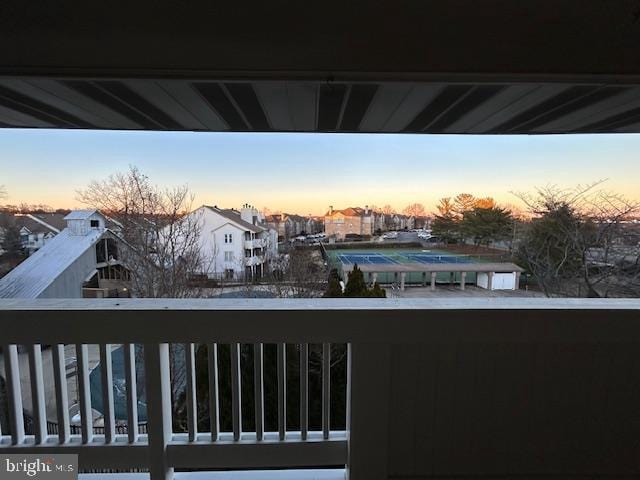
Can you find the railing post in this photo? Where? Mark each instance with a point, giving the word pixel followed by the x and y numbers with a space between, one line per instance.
pixel 158 386
pixel 14 393
pixel 368 384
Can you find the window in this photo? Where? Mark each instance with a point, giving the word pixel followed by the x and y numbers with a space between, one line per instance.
pixel 228 256
pixel 228 238
pixel 228 273
pixel 94 223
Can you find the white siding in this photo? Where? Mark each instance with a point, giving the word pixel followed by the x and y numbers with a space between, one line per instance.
pixel 501 281
pixel 69 283
pixel 214 227
pixel 504 281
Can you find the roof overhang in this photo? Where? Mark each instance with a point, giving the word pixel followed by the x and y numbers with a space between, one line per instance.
pixel 476 267
pixel 423 66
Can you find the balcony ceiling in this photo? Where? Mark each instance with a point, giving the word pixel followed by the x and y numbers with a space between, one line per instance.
pixel 455 66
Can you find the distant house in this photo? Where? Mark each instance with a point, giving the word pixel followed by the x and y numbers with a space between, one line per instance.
pixel 397 221
pixel 350 221
pixel 81 260
pixel 314 224
pixel 36 229
pixel 236 245
pixel 290 225
pixel 422 222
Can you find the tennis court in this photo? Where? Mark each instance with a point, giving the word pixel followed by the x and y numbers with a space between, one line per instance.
pixel 408 256
pixel 402 257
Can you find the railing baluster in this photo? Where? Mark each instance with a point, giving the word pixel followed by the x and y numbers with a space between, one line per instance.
pixel 326 390
pixel 158 390
pixel 236 399
pixel 84 393
pixel 258 389
pixel 192 409
pixel 282 390
pixel 214 405
pixel 368 376
pixel 14 393
pixel 107 392
pixel 62 396
pixel 132 394
pixel 304 390
pixel 37 394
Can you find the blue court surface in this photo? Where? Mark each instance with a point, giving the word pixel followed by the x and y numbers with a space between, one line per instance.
pixel 362 258
pixel 399 257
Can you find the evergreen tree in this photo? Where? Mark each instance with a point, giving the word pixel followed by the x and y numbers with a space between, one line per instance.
pixel 10 240
pixel 334 290
pixel 377 291
pixel 356 286
pixel 446 227
pixel 486 225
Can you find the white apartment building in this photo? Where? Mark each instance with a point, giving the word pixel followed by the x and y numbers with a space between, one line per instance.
pixel 236 245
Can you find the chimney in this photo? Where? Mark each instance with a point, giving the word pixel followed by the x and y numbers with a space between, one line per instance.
pixel 330 209
pixel 250 214
pixel 366 209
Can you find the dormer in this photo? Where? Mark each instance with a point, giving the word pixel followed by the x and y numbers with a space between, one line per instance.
pixel 82 222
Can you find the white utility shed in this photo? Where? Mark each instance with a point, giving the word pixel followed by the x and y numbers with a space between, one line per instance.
pixel 497 280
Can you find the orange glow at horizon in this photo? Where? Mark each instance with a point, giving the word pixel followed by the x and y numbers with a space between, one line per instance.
pixel 306 173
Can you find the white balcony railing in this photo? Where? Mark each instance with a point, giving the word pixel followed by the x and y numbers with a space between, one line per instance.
pixel 255 243
pixel 449 388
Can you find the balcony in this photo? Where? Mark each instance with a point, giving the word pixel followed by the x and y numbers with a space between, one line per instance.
pixel 435 388
pixel 255 260
pixel 255 243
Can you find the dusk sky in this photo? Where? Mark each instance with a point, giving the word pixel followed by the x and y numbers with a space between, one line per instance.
pixel 305 173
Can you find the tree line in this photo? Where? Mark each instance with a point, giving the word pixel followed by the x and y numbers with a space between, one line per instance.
pixel 466 217
pixel 581 242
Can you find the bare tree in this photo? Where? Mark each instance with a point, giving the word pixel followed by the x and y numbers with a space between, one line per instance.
pixel 298 274
pixel 414 210
pixel 575 244
pixel 388 210
pixel 162 239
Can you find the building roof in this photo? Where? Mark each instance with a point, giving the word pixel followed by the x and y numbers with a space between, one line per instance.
pixel 279 217
pixel 273 218
pixel 37 272
pixel 80 214
pixel 350 212
pixel 296 218
pixel 234 216
pixel 436 267
pixel 34 225
pixel 55 220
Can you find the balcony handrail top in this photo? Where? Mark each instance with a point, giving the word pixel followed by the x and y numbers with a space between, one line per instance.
pixel 262 304
pixel 319 320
